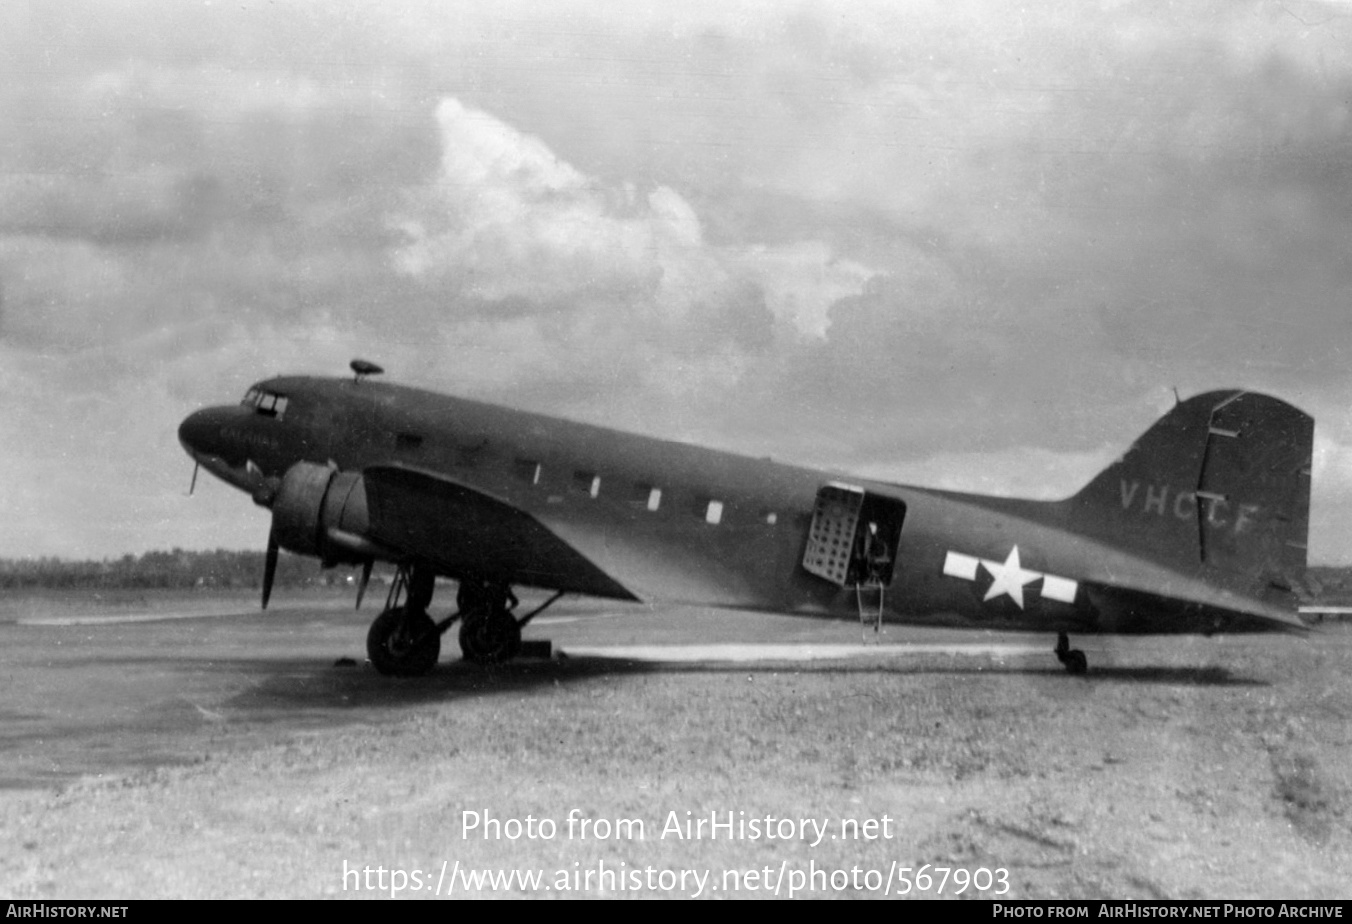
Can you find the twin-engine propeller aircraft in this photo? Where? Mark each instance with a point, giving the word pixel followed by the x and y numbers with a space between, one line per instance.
pixel 1200 527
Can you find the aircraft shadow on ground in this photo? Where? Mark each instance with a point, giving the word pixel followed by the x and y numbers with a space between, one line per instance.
pixel 319 693
pixel 1184 676
pixel 287 686
pixel 278 689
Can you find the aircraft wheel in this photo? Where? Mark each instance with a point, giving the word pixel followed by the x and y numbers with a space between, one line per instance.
pixel 490 639
pixel 1075 661
pixel 403 644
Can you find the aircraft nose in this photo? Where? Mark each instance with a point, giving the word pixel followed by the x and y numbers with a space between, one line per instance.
pixel 200 432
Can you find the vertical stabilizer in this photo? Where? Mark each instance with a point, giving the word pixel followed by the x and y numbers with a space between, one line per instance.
pixel 1222 481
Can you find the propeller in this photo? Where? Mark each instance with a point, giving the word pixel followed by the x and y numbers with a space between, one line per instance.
pixel 365 579
pixel 269 568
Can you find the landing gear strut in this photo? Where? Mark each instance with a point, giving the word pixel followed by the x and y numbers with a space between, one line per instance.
pixel 405 642
pixel 1072 658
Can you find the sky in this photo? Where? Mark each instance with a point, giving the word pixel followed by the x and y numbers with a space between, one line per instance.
pixel 959 243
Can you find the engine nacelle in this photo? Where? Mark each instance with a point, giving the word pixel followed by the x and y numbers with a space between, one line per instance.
pixel 320 511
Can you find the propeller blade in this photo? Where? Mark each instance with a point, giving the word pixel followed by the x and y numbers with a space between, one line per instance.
pixel 365 579
pixel 269 568
pixel 193 486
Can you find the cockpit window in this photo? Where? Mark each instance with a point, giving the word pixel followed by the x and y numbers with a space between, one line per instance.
pixel 267 403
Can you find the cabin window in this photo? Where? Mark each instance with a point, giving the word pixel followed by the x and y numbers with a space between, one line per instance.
pixel 527 470
pixel 408 440
pixel 708 509
pixel 646 496
pixel 588 483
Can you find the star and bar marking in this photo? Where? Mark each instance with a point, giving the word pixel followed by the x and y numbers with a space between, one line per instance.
pixel 1009 577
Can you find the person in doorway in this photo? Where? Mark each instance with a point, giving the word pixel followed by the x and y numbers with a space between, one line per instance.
pixel 876 556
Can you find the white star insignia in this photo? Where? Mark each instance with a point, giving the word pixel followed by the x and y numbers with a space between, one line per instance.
pixel 1009 577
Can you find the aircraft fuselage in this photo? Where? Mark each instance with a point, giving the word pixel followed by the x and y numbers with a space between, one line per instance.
pixel 675 522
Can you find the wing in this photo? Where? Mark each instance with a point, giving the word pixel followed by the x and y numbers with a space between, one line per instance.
pixel 467 533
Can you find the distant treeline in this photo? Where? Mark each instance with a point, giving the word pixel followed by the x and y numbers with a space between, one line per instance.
pixel 174 569
pixel 1329 585
pixel 232 569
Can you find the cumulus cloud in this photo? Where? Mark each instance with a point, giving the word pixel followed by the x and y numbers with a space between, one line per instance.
pixel 563 270
pixel 505 219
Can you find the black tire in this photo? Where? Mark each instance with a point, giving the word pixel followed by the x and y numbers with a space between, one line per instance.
pixel 402 644
pixel 490 639
pixel 1076 663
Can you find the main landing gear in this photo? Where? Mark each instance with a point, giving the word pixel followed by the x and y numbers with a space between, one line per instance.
pixel 1072 658
pixel 403 643
pixel 489 633
pixel 406 642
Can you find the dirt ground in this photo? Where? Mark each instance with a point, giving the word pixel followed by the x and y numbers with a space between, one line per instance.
pixel 229 755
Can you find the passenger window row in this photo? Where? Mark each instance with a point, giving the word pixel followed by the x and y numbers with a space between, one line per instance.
pixel 640 495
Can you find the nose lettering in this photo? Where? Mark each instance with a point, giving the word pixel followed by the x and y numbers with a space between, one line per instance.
pixel 249 438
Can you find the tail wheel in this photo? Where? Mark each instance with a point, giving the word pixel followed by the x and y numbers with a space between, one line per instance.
pixel 1076 662
pixel 1073 658
pixel 403 643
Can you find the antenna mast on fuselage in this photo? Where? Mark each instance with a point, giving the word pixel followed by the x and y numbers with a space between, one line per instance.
pixel 362 368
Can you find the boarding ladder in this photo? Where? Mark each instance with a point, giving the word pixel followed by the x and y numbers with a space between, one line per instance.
pixel 867 611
